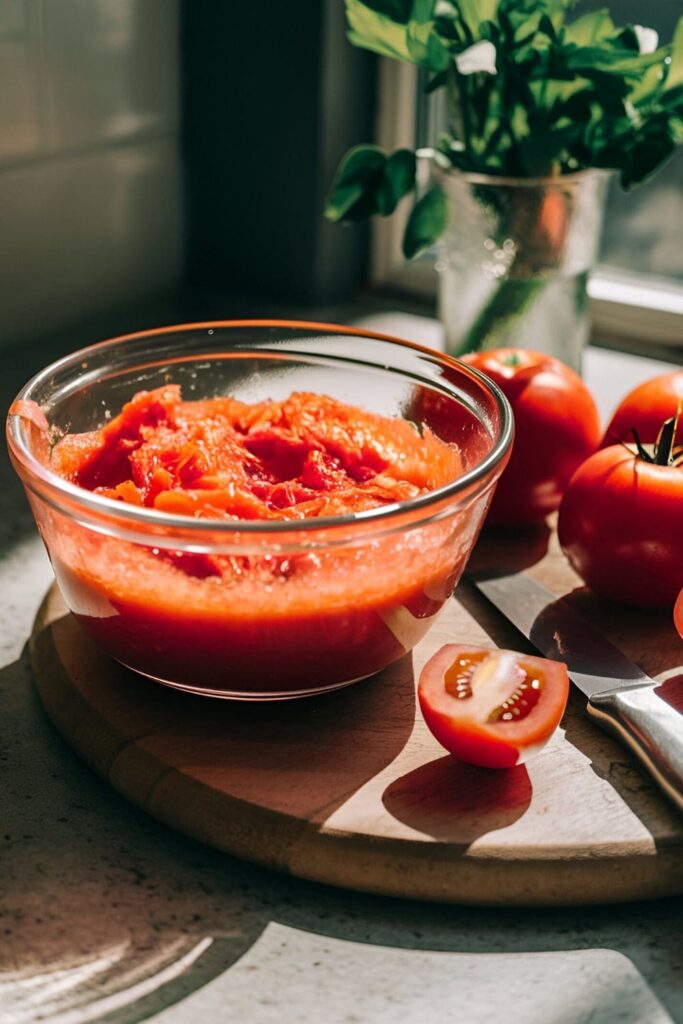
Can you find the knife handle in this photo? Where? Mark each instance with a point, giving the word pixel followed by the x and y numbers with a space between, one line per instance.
pixel 651 728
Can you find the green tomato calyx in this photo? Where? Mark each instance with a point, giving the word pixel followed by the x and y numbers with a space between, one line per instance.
pixel 664 450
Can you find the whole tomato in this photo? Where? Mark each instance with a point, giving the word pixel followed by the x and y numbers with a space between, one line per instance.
pixel 556 428
pixel 645 409
pixel 678 614
pixel 621 520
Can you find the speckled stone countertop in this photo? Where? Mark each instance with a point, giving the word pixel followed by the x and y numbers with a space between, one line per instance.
pixel 106 915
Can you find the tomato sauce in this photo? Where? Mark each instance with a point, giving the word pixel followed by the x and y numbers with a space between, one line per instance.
pixel 258 621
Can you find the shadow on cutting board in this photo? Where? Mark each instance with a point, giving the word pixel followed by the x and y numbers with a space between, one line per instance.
pixel 645 636
pixel 457 803
pixel 297 759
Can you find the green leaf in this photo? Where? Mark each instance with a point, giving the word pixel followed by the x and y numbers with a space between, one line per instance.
pixel 649 85
pixel 616 61
pixel 556 9
pixel 425 48
pixel 654 146
pixel 396 10
pixel 415 41
pixel 355 184
pixel 541 153
pixel 474 12
pixel 675 75
pixel 519 121
pixel 372 30
pixel 546 26
pixel 676 128
pixel 610 92
pixel 422 10
pixel 562 99
pixel 448 28
pixel 426 222
pixel 590 28
pixel 522 17
pixel 533 57
pixel 672 100
pixel 398 179
pixel 628 40
pixel 369 182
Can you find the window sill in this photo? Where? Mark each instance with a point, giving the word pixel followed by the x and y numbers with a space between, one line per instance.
pixel 608 374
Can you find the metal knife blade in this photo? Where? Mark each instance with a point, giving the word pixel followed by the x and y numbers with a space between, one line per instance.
pixel 621 697
pixel 559 632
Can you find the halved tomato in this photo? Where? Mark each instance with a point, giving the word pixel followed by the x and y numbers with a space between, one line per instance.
pixel 491 707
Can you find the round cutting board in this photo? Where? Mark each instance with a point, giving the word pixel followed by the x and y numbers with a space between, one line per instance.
pixel 351 789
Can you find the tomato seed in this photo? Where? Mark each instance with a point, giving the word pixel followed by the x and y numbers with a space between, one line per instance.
pixel 519 703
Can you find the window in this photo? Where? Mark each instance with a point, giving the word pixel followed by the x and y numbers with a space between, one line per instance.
pixel 636 291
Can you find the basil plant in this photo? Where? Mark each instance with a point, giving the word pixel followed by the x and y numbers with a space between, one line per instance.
pixel 532 91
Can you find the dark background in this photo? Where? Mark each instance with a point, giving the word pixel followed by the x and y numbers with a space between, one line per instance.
pixel 167 160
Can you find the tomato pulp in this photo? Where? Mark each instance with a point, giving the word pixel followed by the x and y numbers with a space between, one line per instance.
pixel 257 622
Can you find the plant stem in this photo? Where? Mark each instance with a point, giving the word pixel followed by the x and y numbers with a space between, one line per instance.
pixel 511 299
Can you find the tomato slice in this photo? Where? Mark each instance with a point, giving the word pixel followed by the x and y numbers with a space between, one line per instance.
pixel 491 707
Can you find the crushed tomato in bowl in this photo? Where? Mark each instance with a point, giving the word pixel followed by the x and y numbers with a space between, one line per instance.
pixel 262 621
pixel 307 456
pixel 245 547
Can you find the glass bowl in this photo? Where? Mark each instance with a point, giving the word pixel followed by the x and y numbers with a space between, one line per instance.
pixel 312 604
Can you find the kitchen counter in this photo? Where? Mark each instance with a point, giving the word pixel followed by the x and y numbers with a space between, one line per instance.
pixel 107 915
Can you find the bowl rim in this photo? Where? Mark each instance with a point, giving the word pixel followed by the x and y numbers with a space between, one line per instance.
pixel 146 517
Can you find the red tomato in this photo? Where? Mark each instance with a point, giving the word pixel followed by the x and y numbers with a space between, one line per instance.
pixel 621 527
pixel 678 614
pixel 556 428
pixel 489 707
pixel 646 408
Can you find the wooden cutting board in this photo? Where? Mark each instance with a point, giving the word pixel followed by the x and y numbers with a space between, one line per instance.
pixel 352 790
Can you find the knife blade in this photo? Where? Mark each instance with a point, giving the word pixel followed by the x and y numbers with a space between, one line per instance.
pixel 621 697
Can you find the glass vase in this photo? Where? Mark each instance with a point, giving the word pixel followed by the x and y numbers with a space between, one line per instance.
pixel 514 261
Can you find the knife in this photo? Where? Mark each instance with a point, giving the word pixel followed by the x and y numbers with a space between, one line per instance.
pixel 621 697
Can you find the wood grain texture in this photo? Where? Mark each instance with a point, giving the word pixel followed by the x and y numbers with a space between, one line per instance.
pixel 352 790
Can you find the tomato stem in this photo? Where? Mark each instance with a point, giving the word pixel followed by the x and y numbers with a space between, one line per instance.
pixel 511 359
pixel 645 456
pixel 664 451
pixel 665 442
